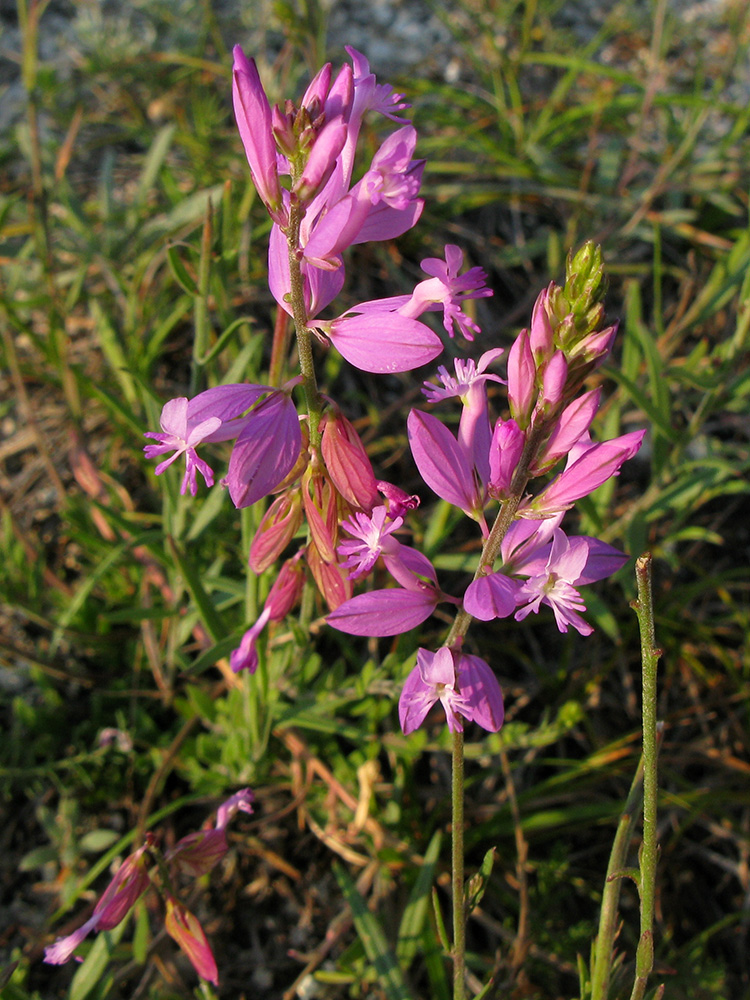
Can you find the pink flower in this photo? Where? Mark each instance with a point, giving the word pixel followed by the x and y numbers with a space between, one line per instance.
pixel 464 685
pixel 130 882
pixel 370 534
pixel 253 114
pixel 385 612
pixel 198 853
pixel 266 450
pixel 474 433
pixel 396 610
pixel 570 427
pixel 589 465
pixel 492 596
pixel 211 416
pixel 443 462
pixel 447 289
pixel 376 338
pixel 381 205
pixel 184 928
pixel 555 586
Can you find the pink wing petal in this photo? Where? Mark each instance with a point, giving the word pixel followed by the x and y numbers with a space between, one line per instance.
pixel 265 451
pixel 383 612
pixel 492 596
pixel 385 342
pixel 441 461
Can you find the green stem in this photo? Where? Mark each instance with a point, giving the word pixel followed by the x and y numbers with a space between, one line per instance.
pixel 650 653
pixel 457 860
pixel 642 791
pixel 601 968
pixel 458 630
pixel 304 337
pixel 200 306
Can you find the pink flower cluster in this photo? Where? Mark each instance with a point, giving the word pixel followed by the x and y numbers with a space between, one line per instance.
pixel 313 145
pixel 301 159
pixel 540 565
pixel 194 855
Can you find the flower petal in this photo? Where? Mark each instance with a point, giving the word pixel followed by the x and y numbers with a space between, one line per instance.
pixel 384 342
pixel 265 451
pixel 383 612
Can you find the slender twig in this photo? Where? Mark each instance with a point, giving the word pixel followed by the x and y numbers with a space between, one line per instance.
pixel 601 969
pixel 457 864
pixel 304 337
pixel 650 653
pixel 458 630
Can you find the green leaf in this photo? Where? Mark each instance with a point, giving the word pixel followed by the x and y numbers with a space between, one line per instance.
pixel 91 973
pixel 209 613
pixel 373 939
pixel 439 922
pixel 153 162
pixel 476 886
pixel 96 841
pixel 182 276
pixel 413 919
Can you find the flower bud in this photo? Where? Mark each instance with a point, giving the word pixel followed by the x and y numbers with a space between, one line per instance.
pixel 332 581
pixel 184 928
pixel 275 531
pixel 287 588
pixel 347 462
pixel 319 500
pixel 505 452
pixel 522 388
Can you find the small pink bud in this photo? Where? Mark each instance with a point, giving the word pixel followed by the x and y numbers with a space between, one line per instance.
pixel 522 388
pixel 287 588
pixel 319 500
pixel 275 531
pixel 553 381
pixel 540 334
pixel 505 452
pixel 184 928
pixel 347 462
pixel 332 581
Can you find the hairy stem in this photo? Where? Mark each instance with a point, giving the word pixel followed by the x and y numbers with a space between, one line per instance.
pixel 601 968
pixel 458 630
pixel 457 864
pixel 304 337
pixel 650 653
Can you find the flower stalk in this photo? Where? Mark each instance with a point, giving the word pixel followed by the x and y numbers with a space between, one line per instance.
pixel 650 654
pixel 304 338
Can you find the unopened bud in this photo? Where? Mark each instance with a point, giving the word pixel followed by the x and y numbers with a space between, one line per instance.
pixel 184 928
pixel 347 462
pixel 332 581
pixel 287 588
pixel 275 531
pixel 319 500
